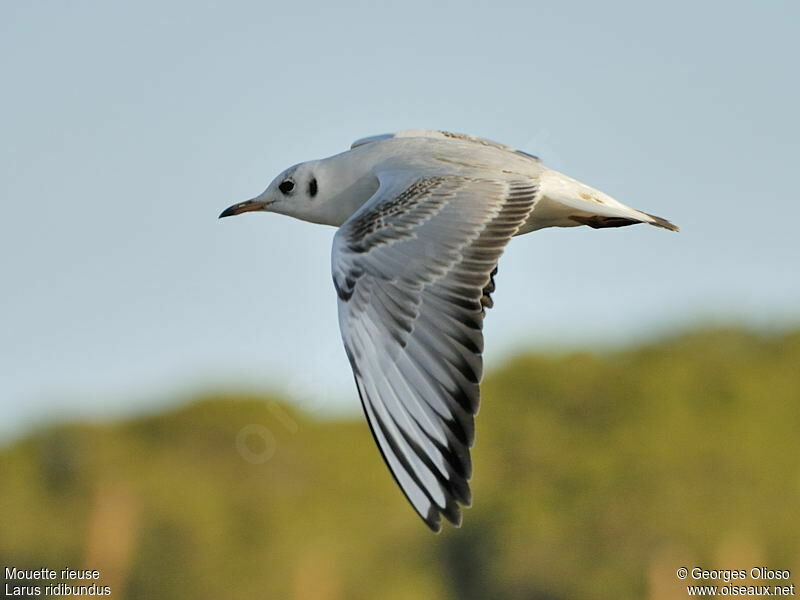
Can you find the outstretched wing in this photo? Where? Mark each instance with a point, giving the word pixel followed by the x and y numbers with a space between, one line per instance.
pixel 441 135
pixel 413 270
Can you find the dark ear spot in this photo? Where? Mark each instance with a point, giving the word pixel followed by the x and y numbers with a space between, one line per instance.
pixel 312 187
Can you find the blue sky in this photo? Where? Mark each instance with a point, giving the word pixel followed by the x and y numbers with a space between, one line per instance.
pixel 127 127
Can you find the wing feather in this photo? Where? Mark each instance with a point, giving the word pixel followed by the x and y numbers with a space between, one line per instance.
pixel 413 269
pixel 441 135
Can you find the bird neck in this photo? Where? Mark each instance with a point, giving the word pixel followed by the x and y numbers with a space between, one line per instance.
pixel 348 185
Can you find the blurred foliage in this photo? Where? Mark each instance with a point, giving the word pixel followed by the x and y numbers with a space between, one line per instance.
pixel 596 476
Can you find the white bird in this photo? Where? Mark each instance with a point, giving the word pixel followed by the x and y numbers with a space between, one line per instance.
pixel 423 218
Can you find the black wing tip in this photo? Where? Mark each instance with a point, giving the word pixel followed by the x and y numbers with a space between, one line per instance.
pixel 434 517
pixel 433 520
pixel 458 489
pixel 601 222
pixel 659 222
pixel 451 511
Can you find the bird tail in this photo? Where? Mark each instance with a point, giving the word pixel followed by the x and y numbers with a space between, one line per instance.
pixel 568 202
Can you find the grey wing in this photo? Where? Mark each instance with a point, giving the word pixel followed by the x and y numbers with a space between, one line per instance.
pixel 437 134
pixel 413 269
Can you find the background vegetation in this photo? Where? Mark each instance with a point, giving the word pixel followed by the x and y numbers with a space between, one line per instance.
pixel 596 476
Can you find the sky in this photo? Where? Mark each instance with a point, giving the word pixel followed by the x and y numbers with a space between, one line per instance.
pixel 128 127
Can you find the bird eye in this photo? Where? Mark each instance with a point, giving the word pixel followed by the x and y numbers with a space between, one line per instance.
pixel 286 186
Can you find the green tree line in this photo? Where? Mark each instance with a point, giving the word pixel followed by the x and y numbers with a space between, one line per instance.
pixel 596 476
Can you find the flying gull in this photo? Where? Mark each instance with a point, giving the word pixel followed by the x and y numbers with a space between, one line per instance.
pixel 423 218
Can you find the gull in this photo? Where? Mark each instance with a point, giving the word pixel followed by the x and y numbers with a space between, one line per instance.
pixel 423 218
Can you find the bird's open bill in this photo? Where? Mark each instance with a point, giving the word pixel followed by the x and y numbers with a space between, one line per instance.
pixel 243 207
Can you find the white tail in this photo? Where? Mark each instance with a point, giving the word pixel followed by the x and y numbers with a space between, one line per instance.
pixel 567 203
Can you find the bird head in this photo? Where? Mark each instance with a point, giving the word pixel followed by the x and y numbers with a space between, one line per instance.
pixel 294 193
